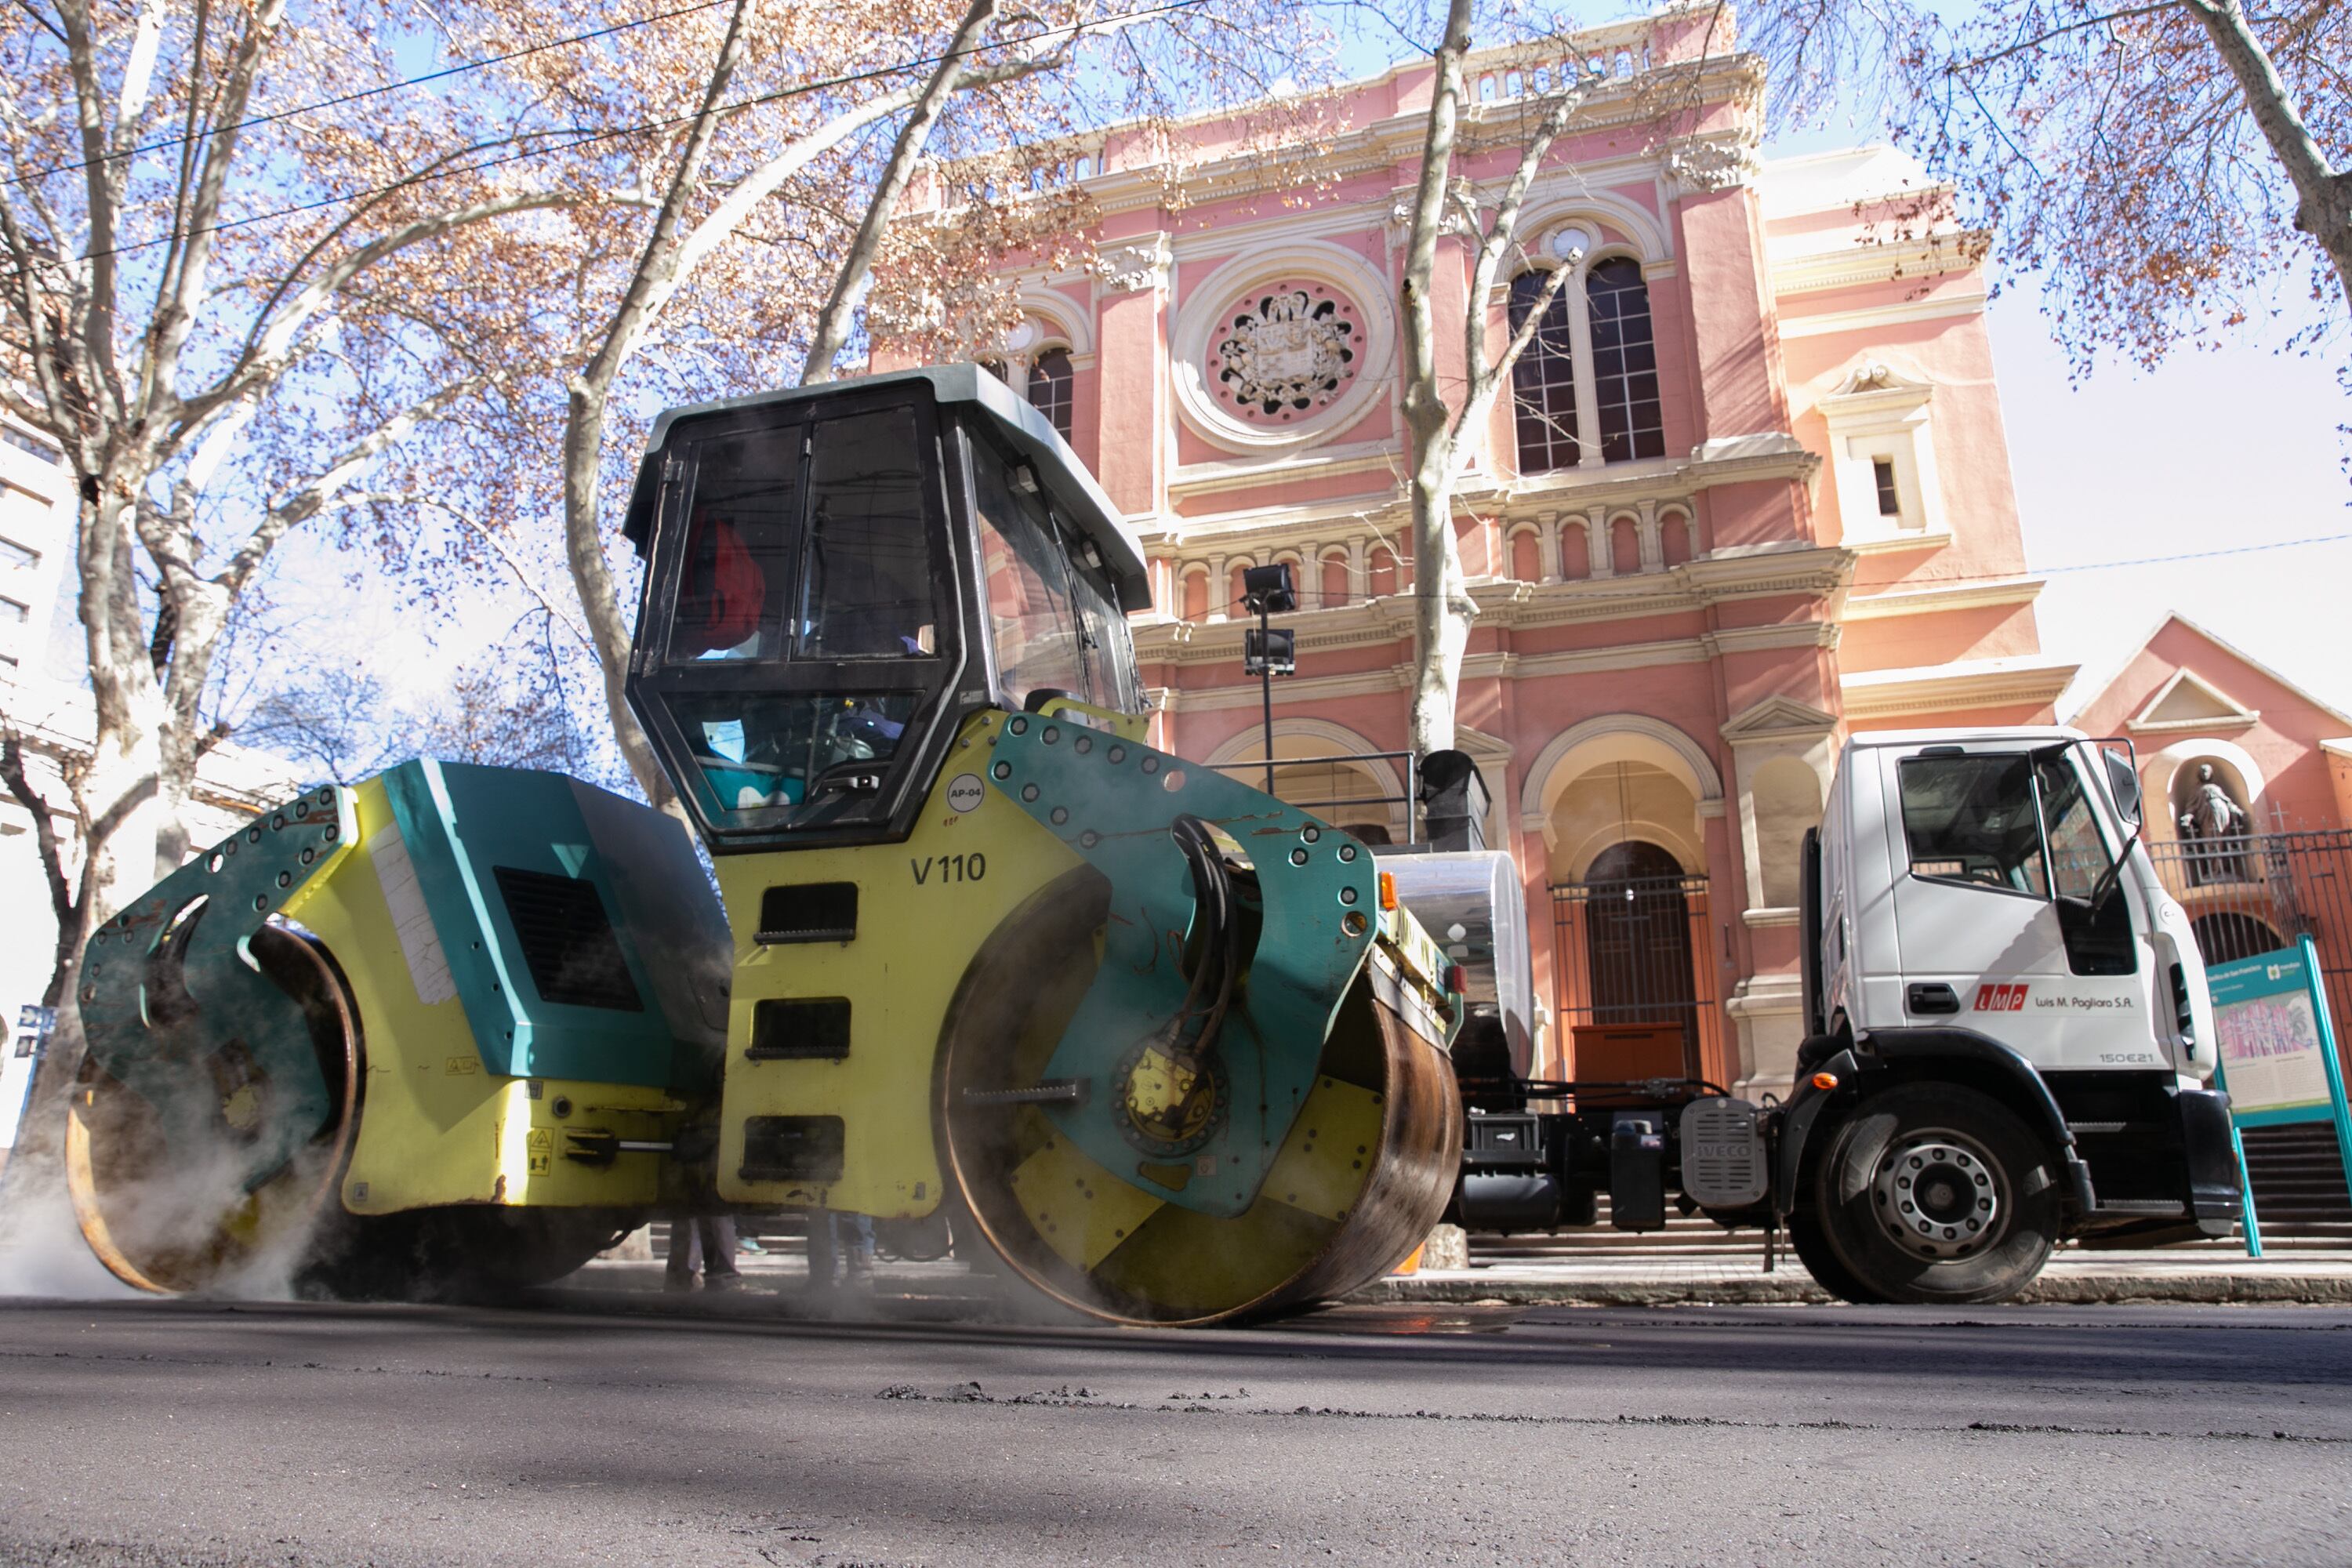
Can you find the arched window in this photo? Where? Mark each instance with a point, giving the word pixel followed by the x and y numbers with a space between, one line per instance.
pixel 1575 551
pixel 995 367
pixel 1526 560
pixel 1678 537
pixel 1233 588
pixel 1383 572
pixel 1543 382
pixel 1334 580
pixel 1624 362
pixel 1624 547
pixel 1049 388
pixel 1195 598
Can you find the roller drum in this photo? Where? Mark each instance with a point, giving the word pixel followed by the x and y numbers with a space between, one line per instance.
pixel 1362 1178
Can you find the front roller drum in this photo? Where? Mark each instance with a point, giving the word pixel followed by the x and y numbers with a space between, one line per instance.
pixel 1361 1177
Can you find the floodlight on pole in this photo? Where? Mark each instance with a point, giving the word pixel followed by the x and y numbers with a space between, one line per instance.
pixel 1266 653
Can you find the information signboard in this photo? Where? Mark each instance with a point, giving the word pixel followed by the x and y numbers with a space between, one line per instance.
pixel 2277 1049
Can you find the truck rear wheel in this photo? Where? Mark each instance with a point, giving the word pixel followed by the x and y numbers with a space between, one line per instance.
pixel 1933 1192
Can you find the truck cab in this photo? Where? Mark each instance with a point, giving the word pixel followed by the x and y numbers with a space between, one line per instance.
pixel 2010 1034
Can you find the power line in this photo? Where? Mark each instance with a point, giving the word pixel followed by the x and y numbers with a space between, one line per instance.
pixel 592 138
pixel 1899 584
pixel 2201 554
pixel 363 93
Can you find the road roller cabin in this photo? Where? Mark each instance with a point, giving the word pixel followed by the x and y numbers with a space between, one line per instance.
pixel 1169 1044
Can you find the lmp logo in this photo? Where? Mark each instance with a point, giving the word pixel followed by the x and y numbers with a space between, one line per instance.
pixel 2006 998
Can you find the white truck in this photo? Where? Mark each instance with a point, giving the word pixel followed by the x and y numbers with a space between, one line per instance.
pixel 2009 1042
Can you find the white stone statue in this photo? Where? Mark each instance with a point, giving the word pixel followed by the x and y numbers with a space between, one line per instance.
pixel 2211 816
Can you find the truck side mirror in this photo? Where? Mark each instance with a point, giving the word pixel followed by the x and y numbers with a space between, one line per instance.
pixel 2123 782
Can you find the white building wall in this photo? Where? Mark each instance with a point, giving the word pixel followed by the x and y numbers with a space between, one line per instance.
pixel 51 715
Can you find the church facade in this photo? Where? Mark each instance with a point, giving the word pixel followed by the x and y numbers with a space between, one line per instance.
pixel 1747 492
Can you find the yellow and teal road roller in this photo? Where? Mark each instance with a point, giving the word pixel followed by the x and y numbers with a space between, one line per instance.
pixel 1168 1044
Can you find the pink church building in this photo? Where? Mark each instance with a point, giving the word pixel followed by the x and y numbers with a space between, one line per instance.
pixel 1749 490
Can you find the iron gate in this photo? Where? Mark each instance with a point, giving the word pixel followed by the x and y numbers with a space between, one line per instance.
pixel 1636 950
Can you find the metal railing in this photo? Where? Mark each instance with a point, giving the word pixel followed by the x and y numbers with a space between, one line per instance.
pixel 2259 891
pixel 1636 951
pixel 1253 773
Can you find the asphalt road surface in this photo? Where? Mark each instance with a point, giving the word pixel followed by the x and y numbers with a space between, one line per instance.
pixel 154 1432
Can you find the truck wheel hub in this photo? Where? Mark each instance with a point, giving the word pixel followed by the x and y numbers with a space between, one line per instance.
pixel 1938 1196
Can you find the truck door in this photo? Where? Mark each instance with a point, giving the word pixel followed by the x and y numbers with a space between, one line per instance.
pixel 1999 857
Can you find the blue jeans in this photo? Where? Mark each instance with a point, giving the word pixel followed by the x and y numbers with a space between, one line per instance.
pixel 825 1256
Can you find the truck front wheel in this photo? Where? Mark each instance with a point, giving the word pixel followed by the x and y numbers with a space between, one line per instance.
pixel 1933 1192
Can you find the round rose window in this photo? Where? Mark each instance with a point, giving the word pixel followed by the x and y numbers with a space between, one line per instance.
pixel 1290 349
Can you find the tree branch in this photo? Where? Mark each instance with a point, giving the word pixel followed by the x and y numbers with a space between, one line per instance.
pixel 856 270
pixel 45 833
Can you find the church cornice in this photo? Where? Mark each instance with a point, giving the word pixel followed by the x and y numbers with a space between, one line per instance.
pixel 1810 573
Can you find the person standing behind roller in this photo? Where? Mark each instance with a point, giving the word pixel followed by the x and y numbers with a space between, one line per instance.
pixel 704 1243
pixel 826 1255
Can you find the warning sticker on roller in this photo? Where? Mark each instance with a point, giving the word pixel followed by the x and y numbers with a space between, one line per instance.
pixel 965 792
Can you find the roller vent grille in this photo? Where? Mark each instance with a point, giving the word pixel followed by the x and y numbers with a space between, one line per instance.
pixel 567 940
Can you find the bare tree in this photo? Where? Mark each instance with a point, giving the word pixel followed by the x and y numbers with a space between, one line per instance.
pixel 982 59
pixel 232 269
pixel 1451 214
pixel 680 241
pixel 2164 166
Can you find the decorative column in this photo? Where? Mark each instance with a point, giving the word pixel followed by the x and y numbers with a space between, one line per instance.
pixel 1599 543
pixel 1130 297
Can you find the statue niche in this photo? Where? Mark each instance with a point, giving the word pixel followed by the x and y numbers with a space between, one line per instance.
pixel 2215 828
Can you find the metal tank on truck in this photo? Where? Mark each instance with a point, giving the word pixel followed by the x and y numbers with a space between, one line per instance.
pixel 1173 1043
pixel 2009 1042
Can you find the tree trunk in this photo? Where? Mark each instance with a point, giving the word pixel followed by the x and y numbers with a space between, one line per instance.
pixel 584 425
pixel 1441 606
pixel 1443 610
pixel 2324 195
pixel 584 549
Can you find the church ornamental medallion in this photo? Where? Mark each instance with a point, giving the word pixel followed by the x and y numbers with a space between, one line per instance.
pixel 1292 349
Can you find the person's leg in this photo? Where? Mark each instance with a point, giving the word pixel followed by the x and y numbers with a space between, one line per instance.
pixel 821 1248
pixel 718 1250
pixel 677 1273
pixel 860 1261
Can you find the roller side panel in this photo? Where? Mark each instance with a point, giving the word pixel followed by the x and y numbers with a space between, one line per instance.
pixel 853 1131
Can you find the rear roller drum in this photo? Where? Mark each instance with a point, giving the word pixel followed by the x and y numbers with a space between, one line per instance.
pixel 166 1183
pixel 1361 1176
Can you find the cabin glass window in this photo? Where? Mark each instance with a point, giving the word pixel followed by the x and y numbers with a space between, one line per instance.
pixel 1972 819
pixel 869 578
pixel 1033 621
pixel 2078 855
